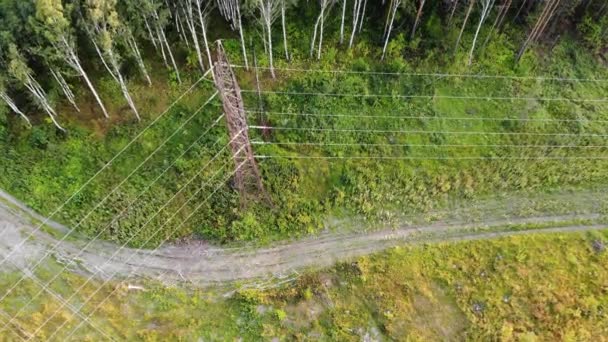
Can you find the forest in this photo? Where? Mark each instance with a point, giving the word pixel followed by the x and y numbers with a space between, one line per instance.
pixel 460 99
pixel 50 47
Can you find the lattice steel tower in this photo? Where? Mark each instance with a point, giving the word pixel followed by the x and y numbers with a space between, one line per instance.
pixel 247 179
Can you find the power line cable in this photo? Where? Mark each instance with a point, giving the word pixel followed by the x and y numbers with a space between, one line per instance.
pixel 341 130
pixel 120 152
pixel 411 117
pixel 115 219
pixel 421 145
pixel 49 252
pixel 152 251
pixel 442 75
pixel 418 96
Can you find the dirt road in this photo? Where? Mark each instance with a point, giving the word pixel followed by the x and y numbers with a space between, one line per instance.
pixel 203 264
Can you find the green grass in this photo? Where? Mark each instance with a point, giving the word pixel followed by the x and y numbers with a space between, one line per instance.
pixel 541 286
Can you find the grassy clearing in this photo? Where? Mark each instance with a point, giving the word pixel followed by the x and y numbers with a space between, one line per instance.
pixel 544 287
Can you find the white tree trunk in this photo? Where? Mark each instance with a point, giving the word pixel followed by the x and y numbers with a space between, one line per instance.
pixel 314 36
pixel 356 9
pixel 486 7
pixel 240 26
pixel 464 24
pixel 204 30
pixel 123 84
pixel 418 15
pixel 268 28
pixel 284 29
pixel 322 16
pixel 164 40
pixel 150 34
pixel 362 15
pixel 40 96
pixel 192 28
pixel 65 88
pixel 342 22
pixel 74 62
pixel 394 6
pixel 162 47
pixel 142 66
pixel 14 107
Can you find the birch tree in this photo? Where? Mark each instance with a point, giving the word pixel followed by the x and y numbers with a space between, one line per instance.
pixel 342 22
pixel 9 101
pixel 159 19
pixel 464 24
pixel 65 88
pixel 231 11
pixel 503 9
pixel 51 19
pixel 544 18
pixel 191 24
pixel 486 7
pixel 203 11
pixel 103 25
pixel 18 69
pixel 131 42
pixel 418 16
pixel 454 6
pixel 357 16
pixel 269 12
pixel 393 6
pixel 319 26
pixel 283 26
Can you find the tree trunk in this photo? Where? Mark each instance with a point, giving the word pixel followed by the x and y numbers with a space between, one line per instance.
pixel 204 30
pixel 539 26
pixel 452 12
pixel 314 36
pixel 356 9
pixel 65 88
pixel 14 107
pixel 342 22
pixel 240 25
pixel 284 30
pixel 464 24
pixel 362 15
pixel 192 28
pixel 123 84
pixel 418 15
pixel 486 7
pixel 498 21
pixel 322 16
pixel 142 66
pixel 393 10
pixel 268 28
pixel 40 96
pixel 74 62
pixel 164 40
pixel 150 34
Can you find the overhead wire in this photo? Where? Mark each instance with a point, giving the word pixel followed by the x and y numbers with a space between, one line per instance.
pixel 431 74
pixel 413 117
pixel 200 204
pixel 39 261
pixel 434 96
pixel 105 166
pixel 124 210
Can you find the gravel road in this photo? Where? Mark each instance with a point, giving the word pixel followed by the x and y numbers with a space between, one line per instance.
pixel 200 263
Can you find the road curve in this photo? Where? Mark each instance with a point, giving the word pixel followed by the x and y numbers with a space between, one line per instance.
pixel 199 263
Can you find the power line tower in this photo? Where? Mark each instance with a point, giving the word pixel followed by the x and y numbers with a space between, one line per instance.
pixel 247 178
